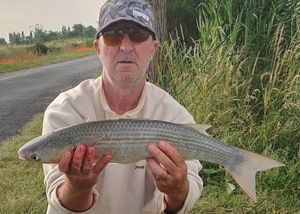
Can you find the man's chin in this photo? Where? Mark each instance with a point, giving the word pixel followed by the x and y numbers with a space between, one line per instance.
pixel 126 67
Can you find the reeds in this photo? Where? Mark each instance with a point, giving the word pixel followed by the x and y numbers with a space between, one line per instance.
pixel 243 77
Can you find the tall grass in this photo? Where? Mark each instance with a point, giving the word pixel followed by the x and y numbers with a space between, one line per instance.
pixel 256 29
pixel 243 77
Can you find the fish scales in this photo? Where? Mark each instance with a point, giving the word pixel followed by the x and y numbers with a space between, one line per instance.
pixel 131 137
pixel 127 140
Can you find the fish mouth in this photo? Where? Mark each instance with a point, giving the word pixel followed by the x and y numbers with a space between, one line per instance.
pixel 22 158
pixel 22 154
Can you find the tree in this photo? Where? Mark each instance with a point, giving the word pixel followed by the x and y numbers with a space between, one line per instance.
pixel 183 14
pixel 40 35
pixel 78 29
pixel 64 30
pixel 15 38
pixel 90 31
pixel 159 8
pixel 22 36
pixel 160 11
pixel 2 41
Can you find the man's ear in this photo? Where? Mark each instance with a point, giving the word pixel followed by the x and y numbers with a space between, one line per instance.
pixel 155 47
pixel 96 46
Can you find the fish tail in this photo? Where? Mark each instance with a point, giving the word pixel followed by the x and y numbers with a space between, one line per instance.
pixel 244 171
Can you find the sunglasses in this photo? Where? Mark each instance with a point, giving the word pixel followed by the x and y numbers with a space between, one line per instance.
pixel 114 37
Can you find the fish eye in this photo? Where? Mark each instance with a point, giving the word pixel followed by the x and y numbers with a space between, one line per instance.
pixel 35 157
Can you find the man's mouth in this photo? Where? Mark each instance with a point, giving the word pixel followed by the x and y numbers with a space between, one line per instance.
pixel 126 62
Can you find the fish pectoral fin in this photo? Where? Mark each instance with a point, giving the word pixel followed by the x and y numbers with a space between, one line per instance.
pixel 202 128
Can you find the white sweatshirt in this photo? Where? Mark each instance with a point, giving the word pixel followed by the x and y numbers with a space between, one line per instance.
pixel 122 188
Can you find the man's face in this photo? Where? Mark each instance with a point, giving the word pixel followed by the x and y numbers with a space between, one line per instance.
pixel 125 63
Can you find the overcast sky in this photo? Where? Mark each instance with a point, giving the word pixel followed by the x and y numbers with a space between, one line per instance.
pixel 23 15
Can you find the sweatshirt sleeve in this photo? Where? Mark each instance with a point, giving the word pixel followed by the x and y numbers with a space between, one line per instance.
pixel 57 115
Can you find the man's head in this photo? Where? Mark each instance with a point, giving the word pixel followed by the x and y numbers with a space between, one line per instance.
pixel 126 41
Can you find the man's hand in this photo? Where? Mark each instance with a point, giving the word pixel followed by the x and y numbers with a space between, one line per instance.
pixel 81 175
pixel 169 170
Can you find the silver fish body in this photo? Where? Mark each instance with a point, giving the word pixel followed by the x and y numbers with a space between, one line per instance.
pixel 127 140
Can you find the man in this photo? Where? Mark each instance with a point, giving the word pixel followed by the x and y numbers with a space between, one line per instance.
pixel 125 44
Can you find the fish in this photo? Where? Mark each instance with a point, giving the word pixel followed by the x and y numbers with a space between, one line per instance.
pixel 127 140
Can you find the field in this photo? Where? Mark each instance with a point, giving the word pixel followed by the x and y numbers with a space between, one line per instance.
pixel 17 57
pixel 242 78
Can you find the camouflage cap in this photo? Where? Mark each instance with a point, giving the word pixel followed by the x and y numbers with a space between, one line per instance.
pixel 138 11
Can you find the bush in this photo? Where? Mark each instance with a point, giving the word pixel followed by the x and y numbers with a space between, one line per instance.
pixel 75 44
pixel 39 48
pixel 54 49
pixel 89 43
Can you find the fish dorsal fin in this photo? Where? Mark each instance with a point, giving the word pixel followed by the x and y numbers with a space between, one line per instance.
pixel 200 127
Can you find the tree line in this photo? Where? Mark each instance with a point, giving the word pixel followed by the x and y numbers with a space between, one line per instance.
pixel 179 15
pixel 40 35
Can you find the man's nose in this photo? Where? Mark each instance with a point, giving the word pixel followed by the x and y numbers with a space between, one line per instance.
pixel 126 44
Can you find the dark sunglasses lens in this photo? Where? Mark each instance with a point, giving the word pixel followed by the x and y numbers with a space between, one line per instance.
pixel 112 38
pixel 138 35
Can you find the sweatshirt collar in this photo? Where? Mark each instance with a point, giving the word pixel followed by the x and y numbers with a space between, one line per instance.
pixel 110 114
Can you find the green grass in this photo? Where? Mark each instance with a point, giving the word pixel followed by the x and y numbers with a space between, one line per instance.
pixel 21 183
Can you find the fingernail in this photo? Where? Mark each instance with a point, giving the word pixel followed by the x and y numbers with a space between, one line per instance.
pixel 150 147
pixel 107 158
pixel 67 155
pixel 162 144
pixel 81 148
pixel 91 150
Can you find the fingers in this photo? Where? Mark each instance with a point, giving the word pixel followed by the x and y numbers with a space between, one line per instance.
pixel 171 152
pixel 169 171
pixel 88 160
pixel 157 170
pixel 81 161
pixel 78 159
pixel 166 164
pixel 167 155
pixel 64 162
pixel 102 163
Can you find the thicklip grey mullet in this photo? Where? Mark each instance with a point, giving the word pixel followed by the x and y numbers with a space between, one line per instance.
pixel 127 140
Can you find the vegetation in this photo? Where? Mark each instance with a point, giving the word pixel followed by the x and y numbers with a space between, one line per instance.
pixel 241 75
pixel 16 57
pixel 21 183
pixel 2 41
pixel 183 21
pixel 40 35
